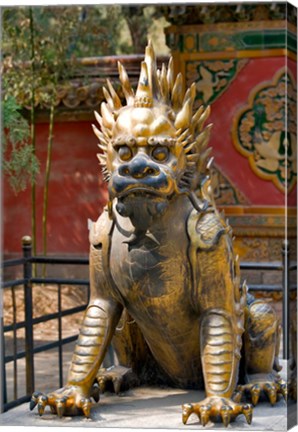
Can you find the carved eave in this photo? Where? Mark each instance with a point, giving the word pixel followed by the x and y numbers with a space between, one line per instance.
pixel 83 94
pixel 237 12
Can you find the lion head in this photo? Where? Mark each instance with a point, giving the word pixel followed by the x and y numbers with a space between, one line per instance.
pixel 153 147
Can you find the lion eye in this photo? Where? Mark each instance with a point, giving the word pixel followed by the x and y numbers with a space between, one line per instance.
pixel 125 153
pixel 160 153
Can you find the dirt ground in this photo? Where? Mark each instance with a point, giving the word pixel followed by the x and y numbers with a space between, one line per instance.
pixel 45 301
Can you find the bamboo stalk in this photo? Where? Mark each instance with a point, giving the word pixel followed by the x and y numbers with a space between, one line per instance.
pixel 46 186
pixel 33 135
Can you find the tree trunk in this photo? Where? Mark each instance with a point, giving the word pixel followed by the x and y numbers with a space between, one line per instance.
pixel 138 27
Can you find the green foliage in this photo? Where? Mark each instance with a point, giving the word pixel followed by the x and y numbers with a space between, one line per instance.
pixel 139 20
pixel 18 160
pixel 39 50
pixel 37 59
pixel 35 49
pixel 36 65
pixel 13 122
pixel 100 32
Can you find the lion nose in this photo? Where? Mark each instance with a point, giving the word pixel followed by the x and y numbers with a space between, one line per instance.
pixel 139 168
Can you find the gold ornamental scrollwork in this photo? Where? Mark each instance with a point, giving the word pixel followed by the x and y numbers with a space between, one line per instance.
pixel 212 78
pixel 265 130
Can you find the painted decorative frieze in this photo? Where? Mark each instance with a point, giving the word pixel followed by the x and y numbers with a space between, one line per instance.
pixel 265 130
pixel 226 38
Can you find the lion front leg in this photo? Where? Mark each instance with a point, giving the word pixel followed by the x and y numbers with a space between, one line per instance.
pixel 100 320
pixel 220 353
pixel 220 304
pixel 95 336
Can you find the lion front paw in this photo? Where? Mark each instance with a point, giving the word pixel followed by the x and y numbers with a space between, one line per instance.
pixel 217 409
pixel 67 401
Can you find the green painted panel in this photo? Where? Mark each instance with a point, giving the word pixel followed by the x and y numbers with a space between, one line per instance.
pixel 292 42
pixel 264 40
pixel 241 40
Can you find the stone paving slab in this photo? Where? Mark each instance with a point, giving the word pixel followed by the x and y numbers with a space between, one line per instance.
pixel 148 408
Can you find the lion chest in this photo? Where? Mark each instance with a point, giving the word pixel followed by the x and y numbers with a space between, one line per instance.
pixel 147 269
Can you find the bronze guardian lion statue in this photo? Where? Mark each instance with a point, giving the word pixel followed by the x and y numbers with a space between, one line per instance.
pixel 162 254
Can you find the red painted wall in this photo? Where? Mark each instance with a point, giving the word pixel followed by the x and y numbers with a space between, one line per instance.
pixel 76 192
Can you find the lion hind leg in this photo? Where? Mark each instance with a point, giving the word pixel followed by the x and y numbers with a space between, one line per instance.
pixel 261 346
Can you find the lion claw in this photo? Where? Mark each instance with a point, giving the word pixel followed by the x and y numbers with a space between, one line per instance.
pixel 117 384
pixel 271 392
pixel 213 408
pixel 255 392
pixel 95 392
pixel 247 412
pixel 34 400
pixel 226 412
pixel 86 406
pixel 204 414
pixel 60 407
pixel 284 391
pixel 187 410
pixel 42 402
pixel 102 384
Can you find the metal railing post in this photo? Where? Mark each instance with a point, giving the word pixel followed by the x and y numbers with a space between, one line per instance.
pixel 3 392
pixel 286 299
pixel 27 253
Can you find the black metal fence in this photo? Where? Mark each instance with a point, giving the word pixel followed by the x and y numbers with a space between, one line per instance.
pixel 28 281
